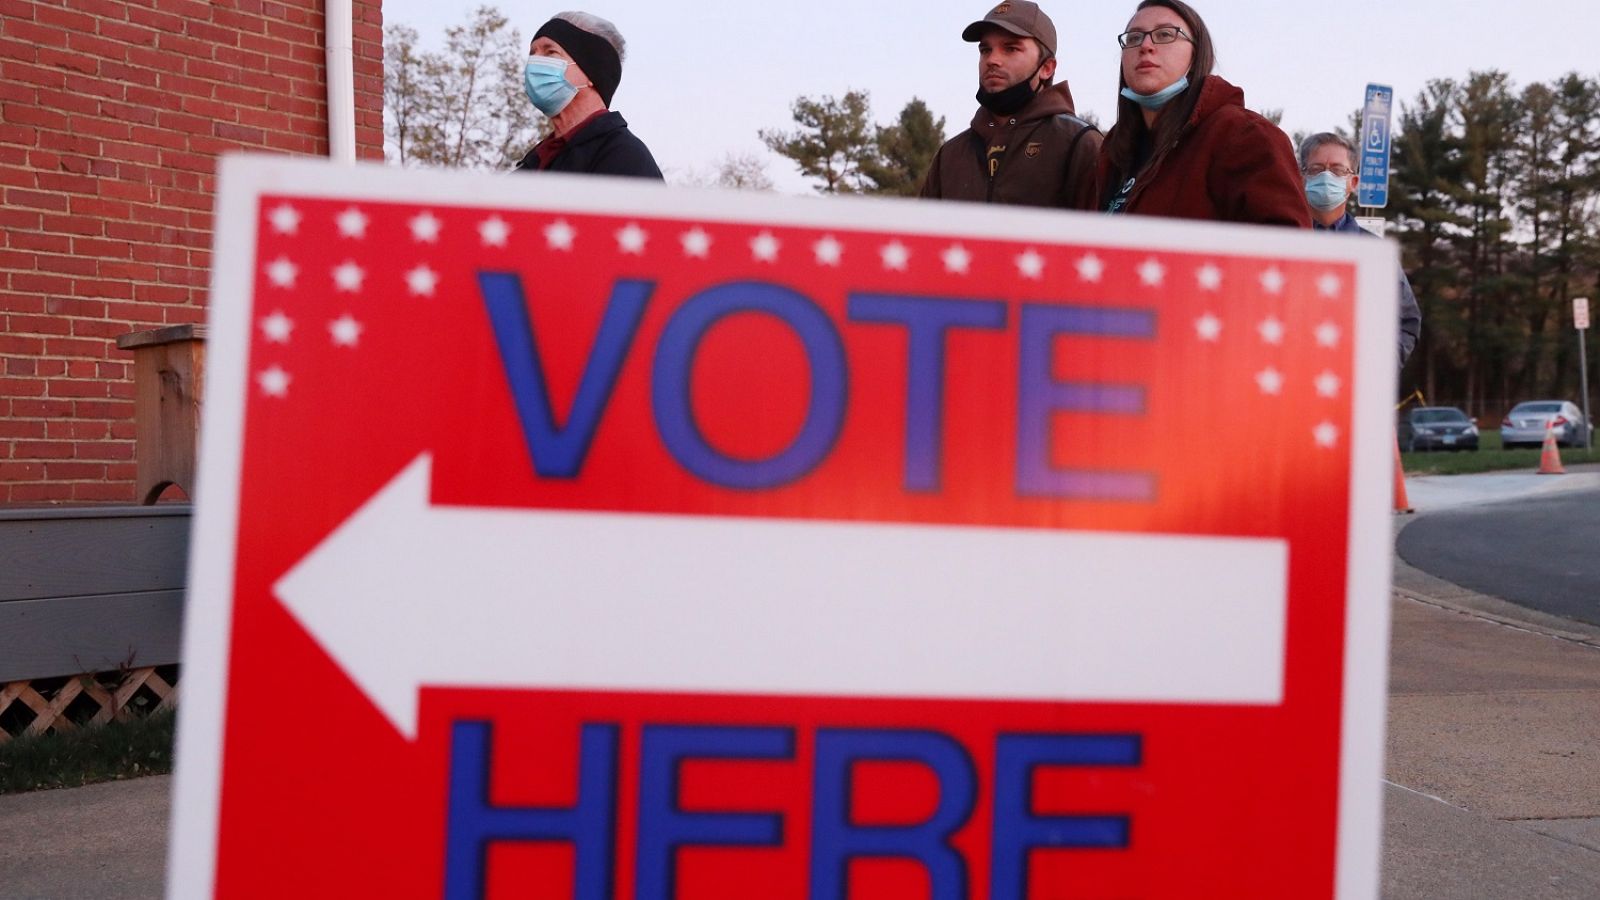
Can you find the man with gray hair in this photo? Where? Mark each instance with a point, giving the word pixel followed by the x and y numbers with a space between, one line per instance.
pixel 573 69
pixel 1328 165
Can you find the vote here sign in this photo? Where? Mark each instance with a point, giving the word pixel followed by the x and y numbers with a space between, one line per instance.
pixel 577 538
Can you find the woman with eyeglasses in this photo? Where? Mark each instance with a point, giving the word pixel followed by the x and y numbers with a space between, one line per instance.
pixel 1184 145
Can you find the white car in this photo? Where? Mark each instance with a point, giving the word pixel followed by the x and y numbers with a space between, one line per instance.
pixel 1526 423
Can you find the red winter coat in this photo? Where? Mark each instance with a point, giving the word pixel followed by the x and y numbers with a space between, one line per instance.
pixel 1228 164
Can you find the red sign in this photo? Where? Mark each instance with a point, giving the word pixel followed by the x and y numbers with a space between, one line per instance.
pixel 570 538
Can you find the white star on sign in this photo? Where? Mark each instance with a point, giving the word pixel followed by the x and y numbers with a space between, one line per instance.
pixel 282 272
pixel 631 238
pixel 956 259
pixel 829 251
pixel 277 327
pixel 1031 264
pixel 1090 268
pixel 558 235
pixel 285 219
pixel 765 247
pixel 1327 434
pixel 1209 327
pixel 352 223
pixel 425 228
pixel 696 242
pixel 1329 284
pixel 348 277
pixel 1272 280
pixel 1328 385
pixel 1271 330
pixel 1328 335
pixel 345 331
pixel 1151 272
pixel 1270 381
pixel 494 231
pixel 422 280
pixel 1209 277
pixel 895 256
pixel 274 382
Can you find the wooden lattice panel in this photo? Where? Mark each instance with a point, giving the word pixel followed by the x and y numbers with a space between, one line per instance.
pixel 63 705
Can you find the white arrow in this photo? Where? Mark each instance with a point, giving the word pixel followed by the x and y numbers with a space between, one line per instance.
pixel 405 594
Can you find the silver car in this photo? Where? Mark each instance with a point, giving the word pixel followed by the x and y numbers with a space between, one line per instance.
pixel 1526 423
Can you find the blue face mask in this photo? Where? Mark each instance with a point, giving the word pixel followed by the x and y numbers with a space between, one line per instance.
pixel 1159 98
pixel 1327 191
pixel 545 80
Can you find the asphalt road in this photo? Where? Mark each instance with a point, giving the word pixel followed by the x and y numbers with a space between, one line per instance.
pixel 1541 552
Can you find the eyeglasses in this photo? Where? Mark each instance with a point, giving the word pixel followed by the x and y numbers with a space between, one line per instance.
pixel 1166 34
pixel 1319 168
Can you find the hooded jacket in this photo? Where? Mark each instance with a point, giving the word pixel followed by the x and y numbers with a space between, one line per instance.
pixel 1228 164
pixel 603 146
pixel 1048 157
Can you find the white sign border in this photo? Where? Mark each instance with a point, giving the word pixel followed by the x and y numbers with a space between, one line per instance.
pixel 243 179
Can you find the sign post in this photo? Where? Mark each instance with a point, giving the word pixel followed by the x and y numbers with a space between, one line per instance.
pixel 1373 189
pixel 1580 322
pixel 618 540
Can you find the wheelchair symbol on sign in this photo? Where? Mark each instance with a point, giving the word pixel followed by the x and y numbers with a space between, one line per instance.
pixel 1377 137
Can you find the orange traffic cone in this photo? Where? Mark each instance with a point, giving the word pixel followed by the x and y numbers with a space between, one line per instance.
pixel 1550 458
pixel 1402 503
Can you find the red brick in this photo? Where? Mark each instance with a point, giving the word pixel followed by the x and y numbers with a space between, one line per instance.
pixel 100 207
pixel 74 60
pixel 131 152
pixel 35 200
pixel 100 47
pixel 99 87
pixel 164 253
pixel 64 18
pixel 102 9
pixel 75 225
pixel 18 92
pixel 67 265
pixel 17 365
pixel 129 34
pixel 186 47
pixel 124 431
pixel 153 19
pixel 71 143
pixel 101 128
pixel 79 389
pixel 213 35
pixel 112 370
pixel 17 177
pixel 46 325
pixel 158 137
pixel 188 9
pixel 18 134
pixel 238 22
pixel 244 98
pixel 164 97
pixel 70 184
pixel 211 71
pixel 20 471
pixel 124 190
pixel 20 114
pixel 36 34
pixel 105 450
pixel 75 471
pixel 107 492
pixel 18 50
pixel 11 344
pixel 44 284
pixel 99 289
pixel 175 82
pixel 16 71
pixel 127 271
pixel 76 347
pixel 42 450
pixel 17 9
pixel 272 84
pixel 122 390
pixel 240 133
pixel 159 293
pixel 22 387
pixel 52 368
pixel 193 162
pixel 19 218
pixel 133 112
pixel 213 110
pixel 102 249
pixel 76 306
pixel 176 121
pixel 131 72
pixel 40 493
pixel 244 59
pixel 67 101
pixel 41 409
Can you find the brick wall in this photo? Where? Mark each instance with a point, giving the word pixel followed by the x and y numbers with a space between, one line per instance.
pixel 112 115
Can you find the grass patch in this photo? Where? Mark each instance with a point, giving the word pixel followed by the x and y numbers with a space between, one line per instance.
pixel 1490 457
pixel 88 754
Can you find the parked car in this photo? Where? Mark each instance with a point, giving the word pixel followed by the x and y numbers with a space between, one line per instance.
pixel 1437 428
pixel 1526 423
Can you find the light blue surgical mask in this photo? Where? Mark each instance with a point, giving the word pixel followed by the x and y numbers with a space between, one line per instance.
pixel 1159 98
pixel 545 80
pixel 1327 191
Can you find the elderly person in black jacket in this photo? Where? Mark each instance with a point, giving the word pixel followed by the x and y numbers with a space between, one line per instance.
pixel 573 69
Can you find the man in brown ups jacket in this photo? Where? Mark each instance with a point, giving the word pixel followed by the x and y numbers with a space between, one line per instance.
pixel 1026 145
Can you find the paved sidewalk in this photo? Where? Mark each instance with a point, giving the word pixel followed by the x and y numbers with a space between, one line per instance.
pixel 101 841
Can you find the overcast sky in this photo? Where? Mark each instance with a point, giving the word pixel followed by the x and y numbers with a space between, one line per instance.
pixel 701 79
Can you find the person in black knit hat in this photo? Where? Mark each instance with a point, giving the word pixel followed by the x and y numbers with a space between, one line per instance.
pixel 573 69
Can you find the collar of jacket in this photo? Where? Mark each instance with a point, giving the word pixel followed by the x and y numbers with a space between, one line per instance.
pixel 1054 100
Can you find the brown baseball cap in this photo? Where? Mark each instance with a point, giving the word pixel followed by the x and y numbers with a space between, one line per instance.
pixel 1020 17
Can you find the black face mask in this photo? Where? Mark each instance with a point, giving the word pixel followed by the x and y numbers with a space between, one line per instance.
pixel 1012 99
